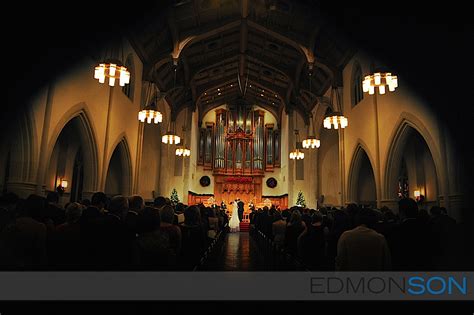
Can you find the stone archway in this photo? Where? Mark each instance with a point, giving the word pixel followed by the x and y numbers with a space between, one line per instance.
pixel 362 185
pixel 119 173
pixel 75 138
pixel 410 147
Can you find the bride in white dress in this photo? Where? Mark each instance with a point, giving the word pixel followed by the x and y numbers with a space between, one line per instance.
pixel 234 222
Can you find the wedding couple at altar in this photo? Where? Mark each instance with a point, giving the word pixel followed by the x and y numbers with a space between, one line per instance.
pixel 237 215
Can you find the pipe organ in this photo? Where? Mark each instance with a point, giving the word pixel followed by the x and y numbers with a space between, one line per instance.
pixel 239 143
pixel 239 148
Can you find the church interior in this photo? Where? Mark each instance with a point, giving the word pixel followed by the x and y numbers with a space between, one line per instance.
pixel 195 104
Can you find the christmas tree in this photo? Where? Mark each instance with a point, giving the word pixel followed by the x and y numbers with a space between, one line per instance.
pixel 300 202
pixel 174 197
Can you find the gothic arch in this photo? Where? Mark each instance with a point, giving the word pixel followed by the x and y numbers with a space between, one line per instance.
pixel 119 166
pixel 360 156
pixel 407 123
pixel 78 116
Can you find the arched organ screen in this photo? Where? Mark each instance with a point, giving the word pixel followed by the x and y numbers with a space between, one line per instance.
pixel 239 142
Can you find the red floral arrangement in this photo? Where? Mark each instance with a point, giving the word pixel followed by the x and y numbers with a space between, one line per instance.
pixel 239 179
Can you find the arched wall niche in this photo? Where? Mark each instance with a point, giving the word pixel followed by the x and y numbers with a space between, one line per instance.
pixel 362 188
pixel 73 132
pixel 119 171
pixel 413 144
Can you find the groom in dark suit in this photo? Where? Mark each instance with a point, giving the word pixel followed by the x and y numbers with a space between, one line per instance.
pixel 240 205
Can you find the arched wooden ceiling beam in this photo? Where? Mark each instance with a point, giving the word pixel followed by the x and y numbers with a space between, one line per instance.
pixel 179 46
pixel 308 53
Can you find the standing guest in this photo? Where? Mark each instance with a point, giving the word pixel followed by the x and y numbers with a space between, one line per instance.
pixel 362 248
pixel 293 230
pixel 8 207
pixel 312 243
pixel 151 248
pixel 53 211
pixel 213 223
pixel 172 231
pixel 114 239
pixel 159 202
pixel 99 201
pixel 193 238
pixel 340 222
pixel 279 230
pixel 411 239
pixel 23 241
pixel 65 251
pixel 136 205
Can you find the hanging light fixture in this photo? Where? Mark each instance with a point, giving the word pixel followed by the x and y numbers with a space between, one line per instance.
pixel 182 150
pixel 335 118
pixel 380 80
pixel 311 141
pixel 112 69
pixel 170 137
pixel 151 113
pixel 296 154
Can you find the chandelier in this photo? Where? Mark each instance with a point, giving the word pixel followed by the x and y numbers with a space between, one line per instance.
pixel 380 80
pixel 170 137
pixel 113 70
pixel 311 141
pixel 335 119
pixel 296 155
pixel 150 113
pixel 182 151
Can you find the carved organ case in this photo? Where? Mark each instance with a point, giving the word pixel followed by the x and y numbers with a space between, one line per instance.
pixel 239 148
pixel 239 143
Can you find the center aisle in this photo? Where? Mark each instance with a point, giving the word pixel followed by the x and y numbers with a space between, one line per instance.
pixel 238 252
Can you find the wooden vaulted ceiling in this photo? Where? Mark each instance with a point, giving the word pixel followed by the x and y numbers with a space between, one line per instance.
pixel 283 53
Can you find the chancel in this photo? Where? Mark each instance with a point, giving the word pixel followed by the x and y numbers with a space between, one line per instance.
pixel 266 139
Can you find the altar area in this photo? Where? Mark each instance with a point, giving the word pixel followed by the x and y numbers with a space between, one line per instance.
pixel 209 200
pixel 239 145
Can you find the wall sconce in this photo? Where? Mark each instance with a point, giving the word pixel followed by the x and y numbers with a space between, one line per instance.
pixel 418 196
pixel 62 185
